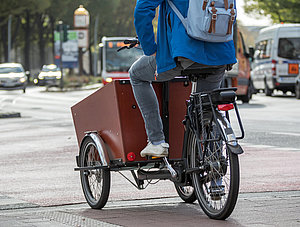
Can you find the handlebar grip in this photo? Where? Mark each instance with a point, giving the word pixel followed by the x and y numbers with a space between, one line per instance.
pixel 131 41
pixel 127 41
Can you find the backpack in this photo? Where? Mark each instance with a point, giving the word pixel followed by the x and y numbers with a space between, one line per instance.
pixel 208 20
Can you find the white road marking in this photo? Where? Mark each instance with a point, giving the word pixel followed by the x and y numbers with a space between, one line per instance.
pixel 286 133
pixel 268 147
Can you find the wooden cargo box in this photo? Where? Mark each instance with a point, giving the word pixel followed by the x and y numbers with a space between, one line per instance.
pixel 113 112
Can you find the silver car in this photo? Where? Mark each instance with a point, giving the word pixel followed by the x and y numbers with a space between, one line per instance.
pixel 12 76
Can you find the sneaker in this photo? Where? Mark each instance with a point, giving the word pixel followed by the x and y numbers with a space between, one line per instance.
pixel 160 150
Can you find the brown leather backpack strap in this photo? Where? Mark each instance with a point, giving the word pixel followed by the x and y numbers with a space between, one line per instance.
pixel 231 20
pixel 226 4
pixel 212 27
pixel 204 4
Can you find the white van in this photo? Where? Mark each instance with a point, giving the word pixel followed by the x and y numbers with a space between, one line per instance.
pixel 276 58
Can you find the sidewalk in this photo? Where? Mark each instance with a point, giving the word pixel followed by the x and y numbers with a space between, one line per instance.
pixel 252 209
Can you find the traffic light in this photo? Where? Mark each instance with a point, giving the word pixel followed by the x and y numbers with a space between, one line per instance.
pixel 63 29
pixel 65 32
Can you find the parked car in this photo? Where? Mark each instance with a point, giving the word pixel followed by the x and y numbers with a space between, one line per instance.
pixel 50 75
pixel 239 76
pixel 276 58
pixel 297 87
pixel 12 76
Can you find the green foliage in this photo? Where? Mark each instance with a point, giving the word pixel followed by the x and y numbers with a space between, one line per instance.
pixel 115 16
pixel 286 11
pixel 38 20
pixel 17 7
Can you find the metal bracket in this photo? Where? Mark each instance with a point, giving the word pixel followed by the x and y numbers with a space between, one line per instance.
pixel 170 168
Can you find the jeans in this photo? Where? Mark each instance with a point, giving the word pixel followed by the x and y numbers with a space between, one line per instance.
pixel 142 74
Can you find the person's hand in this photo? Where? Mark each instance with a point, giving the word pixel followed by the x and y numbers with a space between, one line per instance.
pixel 154 54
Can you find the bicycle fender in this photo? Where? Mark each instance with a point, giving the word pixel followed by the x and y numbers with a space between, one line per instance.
pixel 235 149
pixel 100 146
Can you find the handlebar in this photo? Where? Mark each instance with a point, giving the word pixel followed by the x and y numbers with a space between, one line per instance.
pixel 132 43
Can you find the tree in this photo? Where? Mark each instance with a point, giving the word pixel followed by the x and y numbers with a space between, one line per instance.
pixel 286 11
pixel 42 25
pixel 115 19
pixel 38 18
pixel 33 7
pixel 14 8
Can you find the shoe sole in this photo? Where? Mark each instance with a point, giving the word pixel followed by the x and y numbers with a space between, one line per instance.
pixel 156 156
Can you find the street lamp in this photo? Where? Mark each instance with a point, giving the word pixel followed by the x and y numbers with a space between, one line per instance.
pixel 81 18
pixel 81 24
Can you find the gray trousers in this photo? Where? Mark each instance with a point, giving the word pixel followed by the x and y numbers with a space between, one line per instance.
pixel 142 74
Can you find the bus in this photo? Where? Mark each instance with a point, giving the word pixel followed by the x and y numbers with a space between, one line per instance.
pixel 115 65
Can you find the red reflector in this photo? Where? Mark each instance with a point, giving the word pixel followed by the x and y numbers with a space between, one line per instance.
pixel 131 156
pixel 225 107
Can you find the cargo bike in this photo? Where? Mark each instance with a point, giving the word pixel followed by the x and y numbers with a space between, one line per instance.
pixel 203 155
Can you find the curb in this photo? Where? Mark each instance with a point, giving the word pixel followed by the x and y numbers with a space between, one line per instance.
pixel 10 115
pixel 67 89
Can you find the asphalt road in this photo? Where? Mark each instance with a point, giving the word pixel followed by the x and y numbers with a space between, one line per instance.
pixel 37 151
pixel 272 121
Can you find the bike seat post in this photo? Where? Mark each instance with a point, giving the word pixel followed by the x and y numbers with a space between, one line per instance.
pixel 194 84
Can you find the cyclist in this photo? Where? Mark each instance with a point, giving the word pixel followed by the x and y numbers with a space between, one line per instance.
pixel 165 59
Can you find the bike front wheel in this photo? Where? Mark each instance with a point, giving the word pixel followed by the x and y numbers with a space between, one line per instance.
pixel 95 182
pixel 216 183
pixel 186 193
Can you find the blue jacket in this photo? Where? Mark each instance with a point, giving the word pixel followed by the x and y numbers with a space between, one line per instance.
pixel 172 39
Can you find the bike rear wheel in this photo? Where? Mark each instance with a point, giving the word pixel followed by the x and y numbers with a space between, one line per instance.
pixel 96 182
pixel 217 184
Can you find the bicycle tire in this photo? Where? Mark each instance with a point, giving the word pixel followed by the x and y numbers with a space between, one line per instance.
pixel 186 193
pixel 95 183
pixel 221 204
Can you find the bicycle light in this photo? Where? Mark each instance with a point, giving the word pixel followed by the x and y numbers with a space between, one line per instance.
pixel 225 107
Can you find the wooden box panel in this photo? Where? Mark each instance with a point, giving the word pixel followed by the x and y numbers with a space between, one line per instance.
pixel 99 112
pixel 132 124
pixel 178 95
pixel 113 112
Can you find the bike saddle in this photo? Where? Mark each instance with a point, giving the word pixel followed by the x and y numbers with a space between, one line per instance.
pixel 201 70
